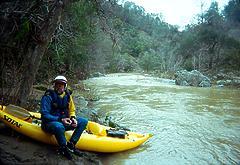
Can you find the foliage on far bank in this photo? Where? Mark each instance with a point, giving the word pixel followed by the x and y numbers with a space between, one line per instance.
pixel 127 38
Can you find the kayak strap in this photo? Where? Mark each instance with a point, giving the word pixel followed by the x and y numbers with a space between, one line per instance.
pixel 31 117
pixel 116 133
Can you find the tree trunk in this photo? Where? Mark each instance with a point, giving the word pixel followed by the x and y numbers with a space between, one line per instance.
pixel 211 54
pixel 36 51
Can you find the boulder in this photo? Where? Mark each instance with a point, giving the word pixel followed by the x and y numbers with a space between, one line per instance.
pixel 234 82
pixel 97 74
pixel 193 78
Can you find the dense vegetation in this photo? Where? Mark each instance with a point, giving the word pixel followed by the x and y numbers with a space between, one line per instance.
pixel 124 38
pixel 40 40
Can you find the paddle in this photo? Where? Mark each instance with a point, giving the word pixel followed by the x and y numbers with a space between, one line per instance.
pixel 19 112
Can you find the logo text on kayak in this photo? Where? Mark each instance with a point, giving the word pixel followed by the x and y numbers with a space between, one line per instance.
pixel 11 121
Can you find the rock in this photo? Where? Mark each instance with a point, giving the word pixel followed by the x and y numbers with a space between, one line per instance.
pixel 220 86
pixel 184 83
pixel 109 122
pixel 205 84
pixel 96 74
pixel 221 82
pixel 80 101
pixel 233 82
pixel 220 76
pixel 90 114
pixel 236 82
pixel 193 78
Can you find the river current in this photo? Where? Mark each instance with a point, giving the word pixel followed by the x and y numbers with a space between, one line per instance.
pixel 190 125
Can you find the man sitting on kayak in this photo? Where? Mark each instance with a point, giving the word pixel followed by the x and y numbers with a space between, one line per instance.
pixel 58 116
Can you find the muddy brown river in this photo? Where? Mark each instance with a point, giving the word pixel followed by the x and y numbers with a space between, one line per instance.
pixel 189 125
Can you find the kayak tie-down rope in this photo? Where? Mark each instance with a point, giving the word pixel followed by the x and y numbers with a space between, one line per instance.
pixel 116 133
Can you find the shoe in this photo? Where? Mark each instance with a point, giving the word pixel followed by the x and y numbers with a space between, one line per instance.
pixel 71 147
pixel 65 152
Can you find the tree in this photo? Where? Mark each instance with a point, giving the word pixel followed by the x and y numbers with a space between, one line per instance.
pixel 201 44
pixel 232 12
pixel 32 31
pixel 30 26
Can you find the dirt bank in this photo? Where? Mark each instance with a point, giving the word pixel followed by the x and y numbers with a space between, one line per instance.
pixel 18 149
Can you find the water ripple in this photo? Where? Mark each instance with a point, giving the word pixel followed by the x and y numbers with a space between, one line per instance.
pixel 190 125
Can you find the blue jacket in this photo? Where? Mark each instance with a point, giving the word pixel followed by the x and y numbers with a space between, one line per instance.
pixel 54 107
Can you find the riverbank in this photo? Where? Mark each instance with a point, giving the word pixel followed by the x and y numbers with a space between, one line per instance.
pixel 220 78
pixel 16 148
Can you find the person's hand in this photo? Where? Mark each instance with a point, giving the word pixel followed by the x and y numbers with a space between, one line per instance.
pixel 74 122
pixel 66 121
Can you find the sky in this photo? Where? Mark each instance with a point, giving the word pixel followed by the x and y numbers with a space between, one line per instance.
pixel 177 12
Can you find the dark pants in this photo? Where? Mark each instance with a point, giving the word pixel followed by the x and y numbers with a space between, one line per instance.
pixel 58 129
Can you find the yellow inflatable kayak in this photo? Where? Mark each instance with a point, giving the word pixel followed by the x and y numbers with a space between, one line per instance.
pixel 96 137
